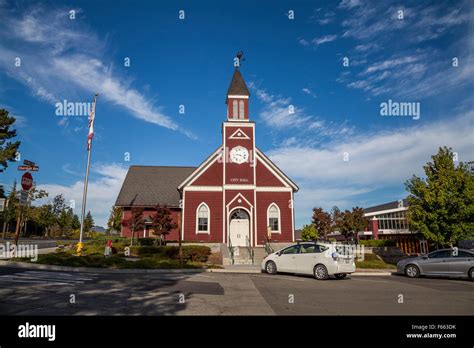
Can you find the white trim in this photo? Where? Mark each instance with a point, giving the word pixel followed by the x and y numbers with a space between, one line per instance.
pixel 238 96
pixel 223 182
pixel 279 217
pixel 292 217
pixel 380 212
pixel 237 120
pixel 202 168
pixel 273 189
pixel 246 123
pixel 239 194
pixel 203 188
pixel 233 135
pixel 255 182
pixel 208 219
pixel 238 187
pixel 182 216
pixel 273 168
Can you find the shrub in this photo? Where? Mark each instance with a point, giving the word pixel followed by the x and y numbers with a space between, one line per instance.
pixel 170 252
pixel 378 243
pixel 146 241
pixel 198 253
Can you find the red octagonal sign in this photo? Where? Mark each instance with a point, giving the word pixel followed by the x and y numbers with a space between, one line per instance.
pixel 26 181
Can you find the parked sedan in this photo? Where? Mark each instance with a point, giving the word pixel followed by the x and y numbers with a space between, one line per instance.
pixel 318 259
pixel 445 262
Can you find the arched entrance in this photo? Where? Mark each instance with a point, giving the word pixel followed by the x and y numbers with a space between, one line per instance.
pixel 239 227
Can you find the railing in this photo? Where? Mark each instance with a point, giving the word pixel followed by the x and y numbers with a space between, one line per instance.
pixel 268 248
pixel 250 249
pixel 231 252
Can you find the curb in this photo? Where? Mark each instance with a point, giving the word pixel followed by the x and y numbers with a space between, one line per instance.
pixel 24 265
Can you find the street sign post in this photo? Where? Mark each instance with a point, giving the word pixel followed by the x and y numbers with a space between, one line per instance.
pixel 29 163
pixel 29 168
pixel 23 197
pixel 26 184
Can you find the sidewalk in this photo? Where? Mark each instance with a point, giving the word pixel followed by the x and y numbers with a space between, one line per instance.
pixel 244 269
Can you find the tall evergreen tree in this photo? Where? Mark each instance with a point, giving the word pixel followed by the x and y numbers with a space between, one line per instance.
pixel 8 149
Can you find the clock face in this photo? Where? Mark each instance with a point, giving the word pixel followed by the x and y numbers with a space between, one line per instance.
pixel 239 155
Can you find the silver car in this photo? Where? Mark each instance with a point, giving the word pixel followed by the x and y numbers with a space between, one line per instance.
pixel 444 262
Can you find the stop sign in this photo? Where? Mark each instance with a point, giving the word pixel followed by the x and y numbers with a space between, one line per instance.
pixel 26 181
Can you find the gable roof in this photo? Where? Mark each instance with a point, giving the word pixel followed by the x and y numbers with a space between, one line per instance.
pixel 237 85
pixel 152 185
pixel 385 206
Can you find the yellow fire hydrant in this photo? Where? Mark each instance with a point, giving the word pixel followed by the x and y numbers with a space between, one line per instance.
pixel 80 246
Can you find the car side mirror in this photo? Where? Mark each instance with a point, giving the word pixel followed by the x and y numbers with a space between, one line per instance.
pixel 278 253
pixel 425 257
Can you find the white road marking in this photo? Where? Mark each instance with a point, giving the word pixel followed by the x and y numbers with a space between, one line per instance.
pixel 43 277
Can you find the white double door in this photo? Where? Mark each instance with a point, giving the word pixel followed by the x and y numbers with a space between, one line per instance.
pixel 239 232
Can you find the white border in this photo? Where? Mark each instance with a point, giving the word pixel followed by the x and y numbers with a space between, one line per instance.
pixel 279 217
pixel 208 219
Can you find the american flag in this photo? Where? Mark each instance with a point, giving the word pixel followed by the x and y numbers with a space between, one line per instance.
pixel 91 125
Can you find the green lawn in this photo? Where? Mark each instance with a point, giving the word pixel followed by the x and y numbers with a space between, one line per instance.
pixel 372 261
pixel 148 257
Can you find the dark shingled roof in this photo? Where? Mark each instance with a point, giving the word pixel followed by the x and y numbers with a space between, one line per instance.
pixel 386 206
pixel 237 85
pixel 152 185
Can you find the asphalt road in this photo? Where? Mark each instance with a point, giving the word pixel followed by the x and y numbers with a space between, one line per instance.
pixel 33 292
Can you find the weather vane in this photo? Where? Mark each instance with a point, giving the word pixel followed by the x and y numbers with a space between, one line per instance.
pixel 240 58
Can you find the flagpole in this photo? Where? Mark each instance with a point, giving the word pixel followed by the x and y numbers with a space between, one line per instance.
pixel 86 180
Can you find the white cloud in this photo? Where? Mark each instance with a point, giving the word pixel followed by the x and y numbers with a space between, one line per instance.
pixel 62 57
pixel 324 39
pixel 376 161
pixel 276 114
pixel 104 185
pixel 309 92
pixel 348 4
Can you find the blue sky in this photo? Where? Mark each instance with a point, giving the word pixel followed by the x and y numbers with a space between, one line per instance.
pixel 289 61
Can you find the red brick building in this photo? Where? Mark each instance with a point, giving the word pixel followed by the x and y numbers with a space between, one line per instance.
pixel 235 196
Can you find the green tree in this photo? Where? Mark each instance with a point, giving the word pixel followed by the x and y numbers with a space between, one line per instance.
pixel 76 224
pixel 162 222
pixel 352 222
pixel 8 150
pixel 115 219
pixel 309 233
pixel 322 221
pixel 441 205
pixel 28 211
pixel 11 212
pixel 135 222
pixel 46 218
pixel 88 222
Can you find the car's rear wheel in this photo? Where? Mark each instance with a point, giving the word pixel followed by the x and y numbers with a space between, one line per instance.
pixel 470 273
pixel 412 271
pixel 340 275
pixel 271 267
pixel 320 272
